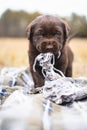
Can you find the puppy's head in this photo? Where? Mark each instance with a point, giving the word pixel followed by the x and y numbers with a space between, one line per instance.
pixel 47 33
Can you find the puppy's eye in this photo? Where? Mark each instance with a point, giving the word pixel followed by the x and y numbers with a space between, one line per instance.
pixel 58 33
pixel 39 35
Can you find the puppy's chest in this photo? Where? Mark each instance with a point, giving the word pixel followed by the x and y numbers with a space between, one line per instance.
pixel 39 69
pixel 60 62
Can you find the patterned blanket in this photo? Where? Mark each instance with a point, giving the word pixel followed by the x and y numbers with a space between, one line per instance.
pixel 22 108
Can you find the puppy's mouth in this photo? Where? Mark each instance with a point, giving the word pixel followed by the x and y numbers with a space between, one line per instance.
pixel 48 48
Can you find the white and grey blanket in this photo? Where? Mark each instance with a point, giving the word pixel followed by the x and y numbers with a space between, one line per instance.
pixel 22 109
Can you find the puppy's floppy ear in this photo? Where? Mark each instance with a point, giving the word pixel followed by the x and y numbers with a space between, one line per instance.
pixel 30 27
pixel 66 29
pixel 29 30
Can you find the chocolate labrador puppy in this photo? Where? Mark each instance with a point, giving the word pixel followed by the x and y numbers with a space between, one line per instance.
pixel 49 33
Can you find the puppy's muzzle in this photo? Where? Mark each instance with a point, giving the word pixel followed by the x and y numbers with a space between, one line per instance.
pixel 48 46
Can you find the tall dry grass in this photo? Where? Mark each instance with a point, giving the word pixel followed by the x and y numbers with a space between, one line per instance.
pixel 13 52
pixel 79 48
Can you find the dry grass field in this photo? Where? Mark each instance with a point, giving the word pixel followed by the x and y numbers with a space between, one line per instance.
pixel 13 53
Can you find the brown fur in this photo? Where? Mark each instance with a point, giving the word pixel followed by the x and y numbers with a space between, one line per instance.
pixel 49 34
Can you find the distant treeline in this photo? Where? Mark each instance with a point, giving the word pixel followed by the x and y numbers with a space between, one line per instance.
pixel 13 23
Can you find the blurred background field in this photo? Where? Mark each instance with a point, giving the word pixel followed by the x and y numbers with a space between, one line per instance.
pixel 79 48
pixel 13 53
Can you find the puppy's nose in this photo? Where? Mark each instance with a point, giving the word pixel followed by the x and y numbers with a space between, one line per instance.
pixel 49 44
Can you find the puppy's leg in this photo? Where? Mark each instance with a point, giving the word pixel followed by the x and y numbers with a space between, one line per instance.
pixel 69 71
pixel 38 79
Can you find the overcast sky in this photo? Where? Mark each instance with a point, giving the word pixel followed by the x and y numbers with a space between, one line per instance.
pixel 59 7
